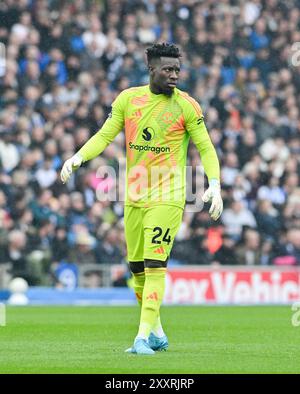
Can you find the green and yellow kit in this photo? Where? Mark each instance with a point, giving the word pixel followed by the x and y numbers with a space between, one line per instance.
pixel 157 133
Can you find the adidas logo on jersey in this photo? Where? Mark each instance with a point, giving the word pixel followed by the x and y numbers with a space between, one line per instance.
pixel 159 250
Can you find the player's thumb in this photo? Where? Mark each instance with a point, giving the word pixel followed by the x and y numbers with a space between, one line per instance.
pixel 206 196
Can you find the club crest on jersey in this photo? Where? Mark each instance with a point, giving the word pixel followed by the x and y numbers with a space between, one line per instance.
pixel 167 117
pixel 148 134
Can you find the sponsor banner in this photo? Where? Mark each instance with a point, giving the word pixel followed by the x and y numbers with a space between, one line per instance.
pixel 195 285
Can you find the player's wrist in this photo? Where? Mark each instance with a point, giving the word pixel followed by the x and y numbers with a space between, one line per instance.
pixel 77 159
pixel 214 184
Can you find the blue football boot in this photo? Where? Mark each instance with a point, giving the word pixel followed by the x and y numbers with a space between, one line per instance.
pixel 157 343
pixel 140 346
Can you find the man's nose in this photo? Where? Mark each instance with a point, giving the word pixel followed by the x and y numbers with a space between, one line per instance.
pixel 174 75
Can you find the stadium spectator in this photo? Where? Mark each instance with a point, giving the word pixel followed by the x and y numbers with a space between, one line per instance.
pixel 236 217
pixel 268 222
pixel 289 250
pixel 226 254
pixel 249 251
pixel 14 252
pixel 108 251
pixel 83 250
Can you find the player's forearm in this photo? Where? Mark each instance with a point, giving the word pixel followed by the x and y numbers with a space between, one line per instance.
pixel 209 160
pixel 93 147
pixel 207 152
pixel 99 141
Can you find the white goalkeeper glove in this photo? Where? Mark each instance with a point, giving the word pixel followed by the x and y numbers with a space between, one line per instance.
pixel 70 166
pixel 213 194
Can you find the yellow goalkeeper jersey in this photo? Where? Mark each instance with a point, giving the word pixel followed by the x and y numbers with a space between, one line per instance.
pixel 157 132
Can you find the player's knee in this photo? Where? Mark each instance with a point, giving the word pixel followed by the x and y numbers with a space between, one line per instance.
pixel 155 263
pixel 136 267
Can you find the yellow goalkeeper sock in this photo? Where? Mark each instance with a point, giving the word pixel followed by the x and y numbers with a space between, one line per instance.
pixel 153 294
pixel 157 328
pixel 138 286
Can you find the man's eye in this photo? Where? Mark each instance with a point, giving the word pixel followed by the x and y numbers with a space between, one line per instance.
pixel 172 69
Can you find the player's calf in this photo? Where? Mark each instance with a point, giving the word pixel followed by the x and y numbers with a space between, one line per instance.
pixel 138 274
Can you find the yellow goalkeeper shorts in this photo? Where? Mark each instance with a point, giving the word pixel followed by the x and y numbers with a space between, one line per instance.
pixel 150 232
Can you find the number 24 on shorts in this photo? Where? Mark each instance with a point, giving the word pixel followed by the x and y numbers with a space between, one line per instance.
pixel 158 233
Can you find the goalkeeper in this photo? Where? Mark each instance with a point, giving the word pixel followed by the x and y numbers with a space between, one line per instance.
pixel 159 120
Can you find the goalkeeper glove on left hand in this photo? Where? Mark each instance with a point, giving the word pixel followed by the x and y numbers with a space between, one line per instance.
pixel 70 166
pixel 213 194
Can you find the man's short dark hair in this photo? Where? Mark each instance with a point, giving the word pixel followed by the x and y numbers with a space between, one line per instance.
pixel 164 49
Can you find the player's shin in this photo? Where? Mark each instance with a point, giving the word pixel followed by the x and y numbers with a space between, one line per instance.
pixel 138 276
pixel 152 298
pixel 138 286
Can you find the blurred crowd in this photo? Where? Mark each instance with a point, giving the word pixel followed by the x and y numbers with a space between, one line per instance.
pixel 66 61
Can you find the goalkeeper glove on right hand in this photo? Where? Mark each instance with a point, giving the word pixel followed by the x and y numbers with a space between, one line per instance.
pixel 213 194
pixel 70 166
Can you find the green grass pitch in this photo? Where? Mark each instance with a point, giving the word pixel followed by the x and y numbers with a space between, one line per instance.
pixel 202 340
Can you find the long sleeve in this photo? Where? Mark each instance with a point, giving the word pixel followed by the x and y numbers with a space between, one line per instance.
pixel 196 128
pixel 108 132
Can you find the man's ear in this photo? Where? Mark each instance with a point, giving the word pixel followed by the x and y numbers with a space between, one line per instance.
pixel 151 68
